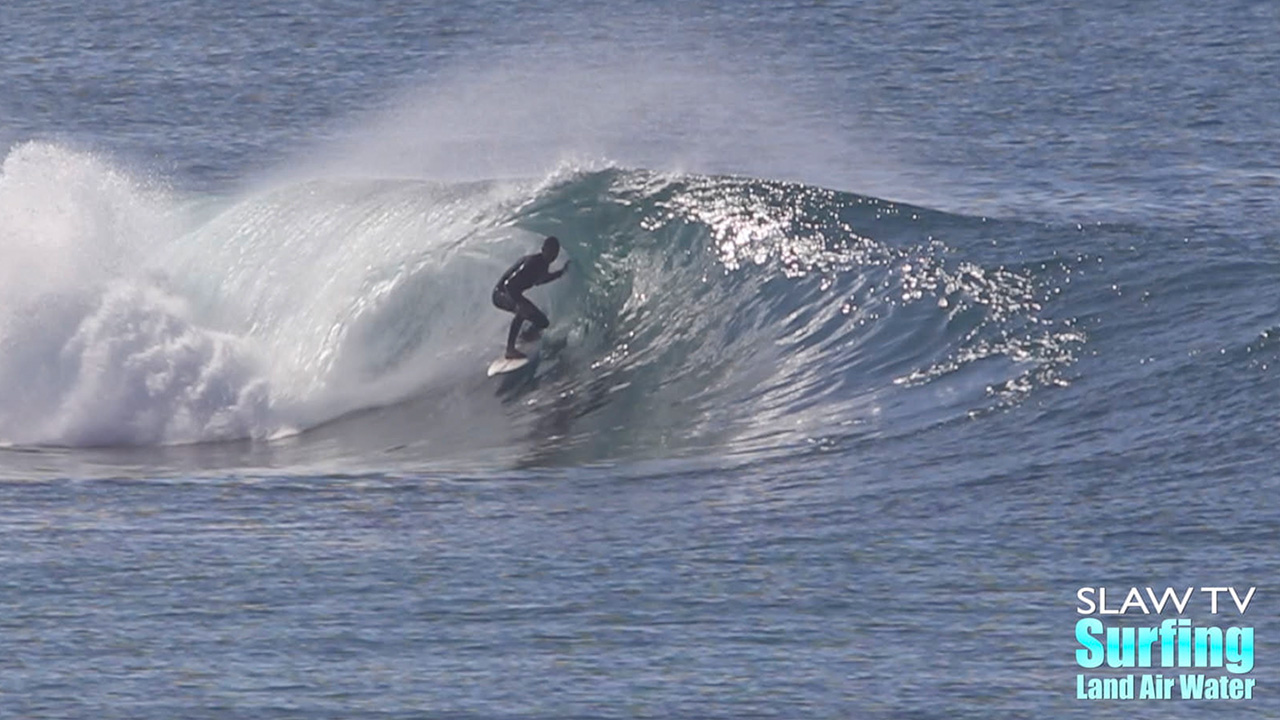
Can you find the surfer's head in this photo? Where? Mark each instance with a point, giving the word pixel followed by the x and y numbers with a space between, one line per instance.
pixel 550 248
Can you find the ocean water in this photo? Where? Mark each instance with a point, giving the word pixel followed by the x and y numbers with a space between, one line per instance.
pixel 890 326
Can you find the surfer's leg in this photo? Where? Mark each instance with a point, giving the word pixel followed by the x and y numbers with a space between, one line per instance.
pixel 502 301
pixel 530 312
pixel 512 352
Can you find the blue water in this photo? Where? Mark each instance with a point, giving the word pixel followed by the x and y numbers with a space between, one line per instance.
pixel 890 326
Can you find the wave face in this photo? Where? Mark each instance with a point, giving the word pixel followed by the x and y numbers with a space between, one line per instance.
pixel 701 312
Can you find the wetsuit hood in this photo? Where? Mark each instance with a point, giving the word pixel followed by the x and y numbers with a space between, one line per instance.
pixel 550 248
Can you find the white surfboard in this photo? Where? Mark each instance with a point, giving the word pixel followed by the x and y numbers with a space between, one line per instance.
pixel 527 344
pixel 505 365
pixel 502 365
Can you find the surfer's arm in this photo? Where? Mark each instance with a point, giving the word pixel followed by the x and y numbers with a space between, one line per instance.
pixel 550 276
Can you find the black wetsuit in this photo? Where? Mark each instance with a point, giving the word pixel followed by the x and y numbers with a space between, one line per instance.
pixel 529 271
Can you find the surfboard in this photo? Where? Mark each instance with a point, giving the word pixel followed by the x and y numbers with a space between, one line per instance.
pixel 505 365
pixel 502 365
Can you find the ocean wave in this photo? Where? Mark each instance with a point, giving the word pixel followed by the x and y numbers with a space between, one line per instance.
pixel 700 312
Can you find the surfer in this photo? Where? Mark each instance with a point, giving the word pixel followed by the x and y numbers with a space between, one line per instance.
pixel 528 271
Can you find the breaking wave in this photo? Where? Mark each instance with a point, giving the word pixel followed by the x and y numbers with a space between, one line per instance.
pixel 700 312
